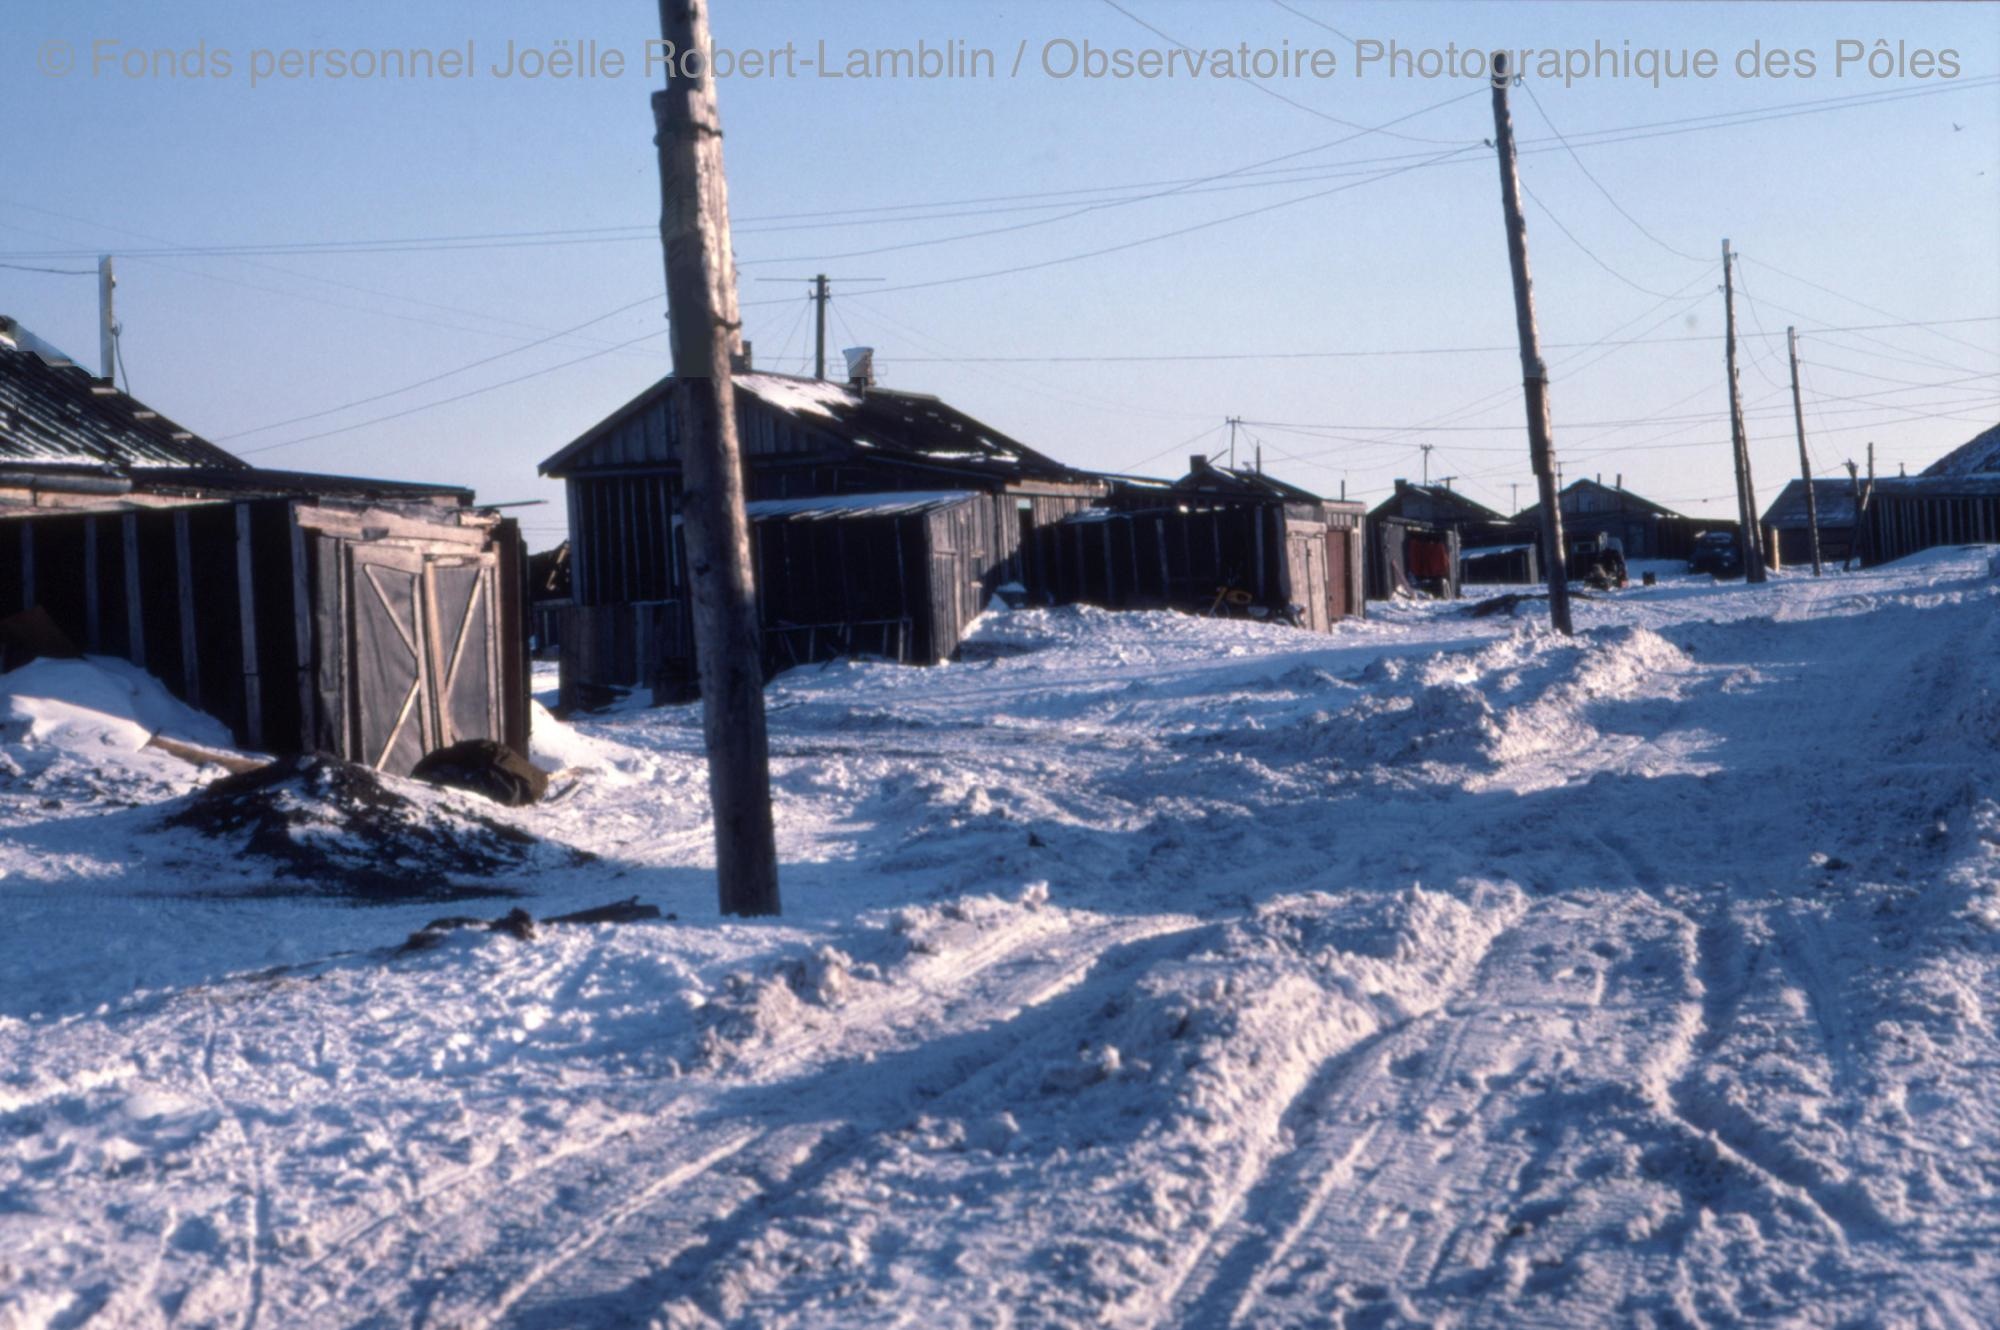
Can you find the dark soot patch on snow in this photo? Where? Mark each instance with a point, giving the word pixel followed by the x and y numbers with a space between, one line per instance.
pixel 334 827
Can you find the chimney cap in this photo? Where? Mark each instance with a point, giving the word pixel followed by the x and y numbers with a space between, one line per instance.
pixel 860 365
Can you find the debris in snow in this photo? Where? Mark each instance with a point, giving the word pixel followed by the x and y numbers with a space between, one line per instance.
pixel 486 767
pixel 334 826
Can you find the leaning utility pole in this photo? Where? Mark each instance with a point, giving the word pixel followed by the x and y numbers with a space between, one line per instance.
pixel 706 334
pixel 1746 489
pixel 1534 374
pixel 1805 462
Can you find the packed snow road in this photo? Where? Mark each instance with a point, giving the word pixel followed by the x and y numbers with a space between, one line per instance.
pixel 1137 970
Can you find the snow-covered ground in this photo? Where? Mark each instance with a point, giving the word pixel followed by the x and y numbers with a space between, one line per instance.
pixel 1136 970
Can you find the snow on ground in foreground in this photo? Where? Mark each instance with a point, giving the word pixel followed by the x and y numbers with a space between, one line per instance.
pixel 1136 970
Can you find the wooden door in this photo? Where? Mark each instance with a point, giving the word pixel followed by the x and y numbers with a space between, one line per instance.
pixel 423 666
pixel 463 663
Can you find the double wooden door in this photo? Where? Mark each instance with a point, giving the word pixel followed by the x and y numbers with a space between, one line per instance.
pixel 423 660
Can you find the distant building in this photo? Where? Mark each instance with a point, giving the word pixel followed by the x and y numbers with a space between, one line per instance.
pixel 371 619
pixel 1955 501
pixel 1491 548
pixel 1644 529
pixel 1217 541
pixel 802 438
pixel 1787 522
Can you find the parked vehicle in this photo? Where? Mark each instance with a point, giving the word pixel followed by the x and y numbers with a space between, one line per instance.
pixel 1717 552
pixel 1599 561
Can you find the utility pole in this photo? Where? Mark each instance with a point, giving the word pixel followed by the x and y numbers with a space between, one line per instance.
pixel 1515 486
pixel 1805 461
pixel 1854 496
pixel 1746 488
pixel 706 334
pixel 1426 447
pixel 107 319
pixel 1534 374
pixel 822 296
pixel 1234 421
pixel 1864 530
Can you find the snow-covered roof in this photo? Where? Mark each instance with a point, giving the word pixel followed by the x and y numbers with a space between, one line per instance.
pixel 1978 457
pixel 883 424
pixel 1834 498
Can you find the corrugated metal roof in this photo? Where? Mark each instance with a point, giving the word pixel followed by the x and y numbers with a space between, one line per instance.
pixel 885 423
pixel 892 504
pixel 52 412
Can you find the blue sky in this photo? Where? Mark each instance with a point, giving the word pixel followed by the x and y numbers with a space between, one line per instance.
pixel 1852 202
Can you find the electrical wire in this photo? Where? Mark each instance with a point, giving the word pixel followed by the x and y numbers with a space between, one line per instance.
pixel 457 397
pixel 1527 147
pixel 1265 88
pixel 53 272
pixel 1541 110
pixel 435 378
pixel 1589 253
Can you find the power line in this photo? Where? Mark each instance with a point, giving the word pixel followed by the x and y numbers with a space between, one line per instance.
pixel 1170 357
pixel 53 272
pixel 1589 253
pixel 1872 309
pixel 1587 175
pixel 1264 88
pixel 649 233
pixel 457 397
pixel 450 373
pixel 1122 246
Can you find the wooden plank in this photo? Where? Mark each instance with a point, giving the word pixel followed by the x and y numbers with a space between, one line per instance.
pixel 452 527
pixel 135 619
pixel 579 565
pixel 93 636
pixel 302 633
pixel 1110 573
pixel 1263 515
pixel 184 583
pixel 246 608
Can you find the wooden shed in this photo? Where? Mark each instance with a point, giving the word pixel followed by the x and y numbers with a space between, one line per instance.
pixel 1217 540
pixel 801 439
pixel 374 620
pixel 1409 558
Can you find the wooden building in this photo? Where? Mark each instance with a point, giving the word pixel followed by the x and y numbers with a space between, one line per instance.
pixel 1905 514
pixel 374 620
pixel 1411 558
pixel 1643 529
pixel 1789 532
pixel 801 439
pixel 1492 549
pixel 1216 541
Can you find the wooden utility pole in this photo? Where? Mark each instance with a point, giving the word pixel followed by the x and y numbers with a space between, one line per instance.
pixel 822 296
pixel 1805 461
pixel 1746 488
pixel 107 319
pixel 1854 536
pixel 1534 374
pixel 706 335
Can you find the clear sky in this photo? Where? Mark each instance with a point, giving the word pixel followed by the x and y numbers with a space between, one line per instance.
pixel 295 242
